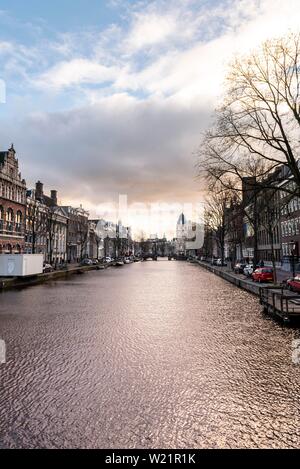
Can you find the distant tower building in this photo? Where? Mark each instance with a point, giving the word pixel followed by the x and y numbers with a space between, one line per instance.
pixel 189 236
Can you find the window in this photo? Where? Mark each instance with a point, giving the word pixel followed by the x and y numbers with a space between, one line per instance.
pixel 9 219
pixel 18 221
pixel 1 217
pixel 297 226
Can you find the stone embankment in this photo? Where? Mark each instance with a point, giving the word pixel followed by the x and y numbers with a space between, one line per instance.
pixel 237 280
pixel 7 283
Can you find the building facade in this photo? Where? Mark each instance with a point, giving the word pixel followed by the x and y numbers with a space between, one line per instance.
pixel 189 236
pixel 52 225
pixel 36 226
pixel 12 204
pixel 77 233
pixel 114 239
pixel 289 227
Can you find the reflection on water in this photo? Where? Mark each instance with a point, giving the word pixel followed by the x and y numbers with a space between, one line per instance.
pixel 156 354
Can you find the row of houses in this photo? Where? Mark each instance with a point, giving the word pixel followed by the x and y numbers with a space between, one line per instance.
pixel 33 222
pixel 264 224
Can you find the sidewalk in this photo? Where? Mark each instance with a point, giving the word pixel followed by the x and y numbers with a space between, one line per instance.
pixel 282 275
pixel 237 279
pixel 241 280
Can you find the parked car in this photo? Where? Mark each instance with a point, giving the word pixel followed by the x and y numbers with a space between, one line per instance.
pixel 220 263
pixel 95 261
pixel 86 262
pixel 293 284
pixel 263 274
pixel 106 260
pixel 213 261
pixel 47 268
pixel 239 268
pixel 248 270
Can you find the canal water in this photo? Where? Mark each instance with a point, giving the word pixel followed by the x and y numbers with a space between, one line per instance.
pixel 150 355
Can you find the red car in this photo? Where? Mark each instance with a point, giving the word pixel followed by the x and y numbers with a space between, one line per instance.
pixel 293 284
pixel 263 274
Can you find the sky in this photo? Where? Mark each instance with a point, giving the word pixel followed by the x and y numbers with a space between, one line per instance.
pixel 109 97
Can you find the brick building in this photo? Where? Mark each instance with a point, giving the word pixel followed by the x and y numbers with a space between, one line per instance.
pixel 12 204
pixel 50 228
pixel 290 228
pixel 36 234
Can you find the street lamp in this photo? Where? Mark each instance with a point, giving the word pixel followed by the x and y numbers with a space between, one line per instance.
pixel 117 240
pixel 294 252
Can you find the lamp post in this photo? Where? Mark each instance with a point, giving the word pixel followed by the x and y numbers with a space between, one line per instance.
pixel 127 235
pixel 294 253
pixel 117 240
pixel 105 240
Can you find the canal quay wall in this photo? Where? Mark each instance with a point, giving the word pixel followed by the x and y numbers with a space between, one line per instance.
pixel 21 282
pixel 247 285
pixel 7 283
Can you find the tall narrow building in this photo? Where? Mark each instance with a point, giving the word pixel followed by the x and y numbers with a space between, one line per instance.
pixel 12 204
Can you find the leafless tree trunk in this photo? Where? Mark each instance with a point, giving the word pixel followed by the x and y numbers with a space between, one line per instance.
pixel 82 232
pixel 217 206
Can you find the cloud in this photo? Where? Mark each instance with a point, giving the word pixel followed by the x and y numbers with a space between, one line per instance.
pixel 180 48
pixel 76 71
pixel 146 88
pixel 6 47
pixel 150 29
pixel 121 145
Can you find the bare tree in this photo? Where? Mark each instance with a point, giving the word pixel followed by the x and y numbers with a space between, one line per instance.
pixel 97 242
pixel 256 128
pixel 259 119
pixel 36 223
pixel 82 234
pixel 269 214
pixel 217 206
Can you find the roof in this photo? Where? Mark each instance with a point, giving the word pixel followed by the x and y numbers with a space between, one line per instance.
pixel 46 200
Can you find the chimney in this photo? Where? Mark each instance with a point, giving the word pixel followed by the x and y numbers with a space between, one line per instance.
pixel 54 197
pixel 39 190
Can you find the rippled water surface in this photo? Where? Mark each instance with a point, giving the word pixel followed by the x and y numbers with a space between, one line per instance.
pixel 156 354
